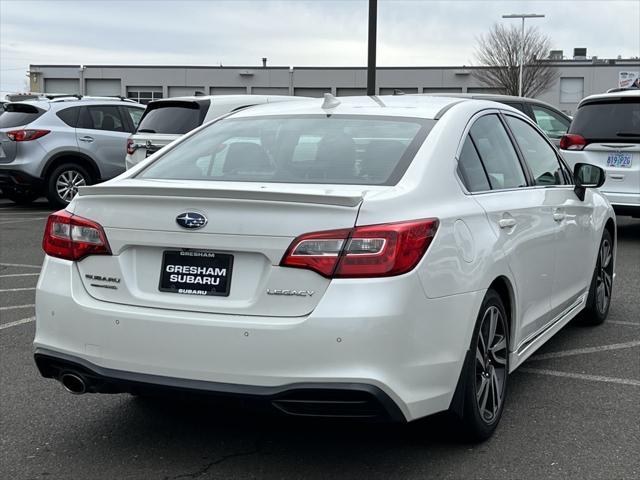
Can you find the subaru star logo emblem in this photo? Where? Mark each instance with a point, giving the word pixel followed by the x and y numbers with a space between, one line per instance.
pixel 191 220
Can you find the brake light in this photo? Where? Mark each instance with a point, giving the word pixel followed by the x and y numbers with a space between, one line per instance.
pixel 73 238
pixel 571 141
pixel 131 148
pixel 26 135
pixel 370 251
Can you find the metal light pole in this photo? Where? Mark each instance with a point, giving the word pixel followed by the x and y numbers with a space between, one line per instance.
pixel 371 63
pixel 522 16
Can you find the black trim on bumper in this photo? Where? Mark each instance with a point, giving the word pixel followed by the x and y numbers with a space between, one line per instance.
pixel 309 399
pixel 627 210
pixel 18 179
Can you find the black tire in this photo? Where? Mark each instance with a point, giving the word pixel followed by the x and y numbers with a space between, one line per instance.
pixel 601 288
pixel 22 196
pixel 486 372
pixel 71 174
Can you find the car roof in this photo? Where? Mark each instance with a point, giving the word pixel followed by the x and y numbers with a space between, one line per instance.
pixel 64 102
pixel 240 98
pixel 494 97
pixel 631 93
pixel 428 107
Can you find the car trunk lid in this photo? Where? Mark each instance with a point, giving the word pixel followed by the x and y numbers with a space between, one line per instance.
pixel 249 228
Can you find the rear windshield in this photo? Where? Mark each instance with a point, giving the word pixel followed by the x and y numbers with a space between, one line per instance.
pixel 172 117
pixel 18 114
pixel 332 149
pixel 610 121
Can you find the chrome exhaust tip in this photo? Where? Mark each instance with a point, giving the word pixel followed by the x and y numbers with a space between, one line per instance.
pixel 73 383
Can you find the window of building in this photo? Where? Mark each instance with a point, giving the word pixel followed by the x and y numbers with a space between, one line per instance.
pixel 144 94
pixel 571 89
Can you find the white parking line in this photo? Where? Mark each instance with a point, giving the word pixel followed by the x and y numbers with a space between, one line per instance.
pixel 22 221
pixel 16 289
pixel 17 322
pixel 582 351
pixel 19 265
pixel 19 275
pixel 15 307
pixel 581 376
pixel 621 322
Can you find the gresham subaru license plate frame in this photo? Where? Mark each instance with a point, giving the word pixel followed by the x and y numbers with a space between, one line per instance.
pixel 201 272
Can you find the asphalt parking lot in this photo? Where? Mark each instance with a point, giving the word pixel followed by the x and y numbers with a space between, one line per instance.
pixel 573 410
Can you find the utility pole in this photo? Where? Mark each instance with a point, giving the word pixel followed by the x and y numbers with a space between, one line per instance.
pixel 371 61
pixel 522 16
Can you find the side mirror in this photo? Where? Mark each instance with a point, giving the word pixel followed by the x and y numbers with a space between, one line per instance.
pixel 587 176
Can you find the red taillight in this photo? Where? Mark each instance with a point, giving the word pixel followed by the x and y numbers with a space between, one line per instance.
pixel 130 146
pixel 572 141
pixel 370 251
pixel 73 238
pixel 26 135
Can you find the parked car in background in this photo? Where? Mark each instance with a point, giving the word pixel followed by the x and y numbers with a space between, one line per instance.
pixel 387 257
pixel 167 119
pixel 52 147
pixel 605 131
pixel 551 121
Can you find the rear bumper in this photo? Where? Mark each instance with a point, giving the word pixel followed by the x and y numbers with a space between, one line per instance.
pixel 11 179
pixel 382 333
pixel 624 203
pixel 324 399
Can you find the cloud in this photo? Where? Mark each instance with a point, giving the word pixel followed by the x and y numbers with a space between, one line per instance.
pixel 302 33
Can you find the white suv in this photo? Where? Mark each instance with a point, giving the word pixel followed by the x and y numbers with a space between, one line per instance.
pixel 606 132
pixel 166 120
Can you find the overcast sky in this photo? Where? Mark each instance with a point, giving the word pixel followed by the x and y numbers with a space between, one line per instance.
pixel 290 32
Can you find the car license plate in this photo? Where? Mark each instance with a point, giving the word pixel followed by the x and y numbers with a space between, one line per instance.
pixel 619 160
pixel 196 272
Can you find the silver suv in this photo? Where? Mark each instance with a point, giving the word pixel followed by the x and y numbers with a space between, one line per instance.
pixel 53 146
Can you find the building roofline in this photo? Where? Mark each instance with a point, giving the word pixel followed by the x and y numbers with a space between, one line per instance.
pixel 563 63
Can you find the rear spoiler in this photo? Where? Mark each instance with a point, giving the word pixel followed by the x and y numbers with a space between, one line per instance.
pixel 328 198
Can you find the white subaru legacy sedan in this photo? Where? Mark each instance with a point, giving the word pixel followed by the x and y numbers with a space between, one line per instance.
pixel 358 257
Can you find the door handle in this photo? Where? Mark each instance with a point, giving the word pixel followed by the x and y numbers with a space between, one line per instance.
pixel 558 215
pixel 86 138
pixel 507 222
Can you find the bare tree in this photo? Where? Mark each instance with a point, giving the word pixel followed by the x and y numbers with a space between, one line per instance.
pixel 498 53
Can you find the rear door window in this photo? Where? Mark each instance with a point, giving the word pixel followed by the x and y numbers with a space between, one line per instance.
pixel 498 153
pixel 102 117
pixel 551 123
pixel 69 116
pixel 539 155
pixel 615 120
pixel 19 114
pixel 173 117
pixel 135 114
pixel 471 170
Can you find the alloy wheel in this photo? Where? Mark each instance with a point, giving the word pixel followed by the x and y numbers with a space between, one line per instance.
pixel 491 363
pixel 604 276
pixel 67 184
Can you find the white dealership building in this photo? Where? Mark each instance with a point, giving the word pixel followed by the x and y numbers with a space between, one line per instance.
pixel 577 78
